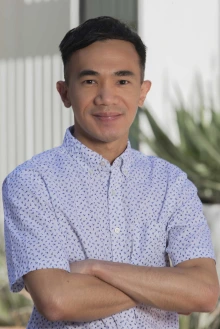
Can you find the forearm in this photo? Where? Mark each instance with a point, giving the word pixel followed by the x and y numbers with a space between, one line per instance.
pixel 89 298
pixel 183 290
pixel 80 298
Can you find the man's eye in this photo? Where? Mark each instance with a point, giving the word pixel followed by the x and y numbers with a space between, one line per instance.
pixel 89 82
pixel 123 82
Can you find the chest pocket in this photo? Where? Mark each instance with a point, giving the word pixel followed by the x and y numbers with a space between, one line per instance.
pixel 149 239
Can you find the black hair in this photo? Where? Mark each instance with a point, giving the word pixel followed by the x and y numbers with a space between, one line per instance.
pixel 100 29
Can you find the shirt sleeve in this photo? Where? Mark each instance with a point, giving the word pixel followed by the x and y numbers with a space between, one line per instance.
pixel 188 232
pixel 32 236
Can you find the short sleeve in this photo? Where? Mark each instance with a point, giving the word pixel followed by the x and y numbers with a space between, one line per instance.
pixel 32 237
pixel 188 232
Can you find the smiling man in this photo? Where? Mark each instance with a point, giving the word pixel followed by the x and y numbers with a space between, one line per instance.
pixel 104 85
pixel 101 235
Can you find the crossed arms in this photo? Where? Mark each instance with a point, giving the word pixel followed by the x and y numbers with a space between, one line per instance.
pixel 97 289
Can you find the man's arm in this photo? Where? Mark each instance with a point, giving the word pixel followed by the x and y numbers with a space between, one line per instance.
pixel 62 296
pixel 191 286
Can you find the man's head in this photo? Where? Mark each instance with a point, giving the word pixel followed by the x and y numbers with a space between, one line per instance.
pixel 104 69
pixel 100 29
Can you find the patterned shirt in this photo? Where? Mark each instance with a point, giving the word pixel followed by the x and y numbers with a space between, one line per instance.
pixel 69 204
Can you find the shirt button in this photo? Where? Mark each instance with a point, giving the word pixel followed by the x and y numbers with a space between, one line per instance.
pixel 113 192
pixel 102 163
pixel 117 230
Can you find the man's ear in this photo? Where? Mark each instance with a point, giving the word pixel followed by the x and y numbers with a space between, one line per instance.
pixel 63 91
pixel 145 87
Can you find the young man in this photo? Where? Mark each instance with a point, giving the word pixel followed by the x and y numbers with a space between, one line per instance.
pixel 92 227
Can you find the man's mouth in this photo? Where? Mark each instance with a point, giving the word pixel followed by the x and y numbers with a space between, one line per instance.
pixel 107 116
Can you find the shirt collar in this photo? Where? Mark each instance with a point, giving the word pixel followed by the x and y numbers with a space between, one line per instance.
pixel 91 160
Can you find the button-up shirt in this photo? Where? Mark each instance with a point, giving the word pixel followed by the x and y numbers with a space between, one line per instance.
pixel 69 204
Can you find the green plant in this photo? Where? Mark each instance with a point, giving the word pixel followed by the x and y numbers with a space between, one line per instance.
pixel 198 151
pixel 198 154
pixel 15 309
pixel 133 133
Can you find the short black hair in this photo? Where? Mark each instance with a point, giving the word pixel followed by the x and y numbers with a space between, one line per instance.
pixel 100 29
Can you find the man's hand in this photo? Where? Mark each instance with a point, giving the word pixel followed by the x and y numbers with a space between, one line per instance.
pixel 191 286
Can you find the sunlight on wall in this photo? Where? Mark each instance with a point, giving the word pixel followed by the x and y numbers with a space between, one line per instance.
pixel 183 41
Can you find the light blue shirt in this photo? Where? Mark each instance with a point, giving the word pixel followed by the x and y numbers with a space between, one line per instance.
pixel 69 204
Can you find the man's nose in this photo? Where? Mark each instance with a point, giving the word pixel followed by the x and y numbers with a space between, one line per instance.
pixel 106 95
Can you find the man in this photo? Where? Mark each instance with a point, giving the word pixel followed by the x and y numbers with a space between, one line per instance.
pixel 92 227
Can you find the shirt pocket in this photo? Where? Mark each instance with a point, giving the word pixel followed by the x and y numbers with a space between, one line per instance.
pixel 148 240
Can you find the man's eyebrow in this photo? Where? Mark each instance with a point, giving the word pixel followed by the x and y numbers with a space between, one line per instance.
pixel 87 72
pixel 124 73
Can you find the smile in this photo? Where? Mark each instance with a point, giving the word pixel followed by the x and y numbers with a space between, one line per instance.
pixel 107 116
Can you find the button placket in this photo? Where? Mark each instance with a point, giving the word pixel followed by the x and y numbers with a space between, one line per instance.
pixel 116 215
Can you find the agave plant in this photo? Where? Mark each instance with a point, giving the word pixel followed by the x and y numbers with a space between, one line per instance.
pixel 198 153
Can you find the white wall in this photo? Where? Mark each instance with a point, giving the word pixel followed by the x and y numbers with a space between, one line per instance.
pixel 183 39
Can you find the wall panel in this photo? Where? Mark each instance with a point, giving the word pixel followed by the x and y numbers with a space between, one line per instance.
pixel 32 117
pixel 20 110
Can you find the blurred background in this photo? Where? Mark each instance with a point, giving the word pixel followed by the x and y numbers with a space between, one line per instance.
pixel 181 119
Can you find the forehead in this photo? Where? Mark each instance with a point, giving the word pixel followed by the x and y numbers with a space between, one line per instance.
pixel 107 55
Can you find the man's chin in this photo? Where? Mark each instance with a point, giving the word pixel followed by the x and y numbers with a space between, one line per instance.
pixel 113 138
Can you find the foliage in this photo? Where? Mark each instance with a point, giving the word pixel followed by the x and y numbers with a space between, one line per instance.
pixel 201 320
pixel 133 132
pixel 198 155
pixel 198 151
pixel 15 309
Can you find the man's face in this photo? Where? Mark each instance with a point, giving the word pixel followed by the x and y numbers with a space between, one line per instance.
pixel 104 89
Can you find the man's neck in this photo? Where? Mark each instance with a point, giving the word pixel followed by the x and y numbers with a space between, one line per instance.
pixel 109 151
